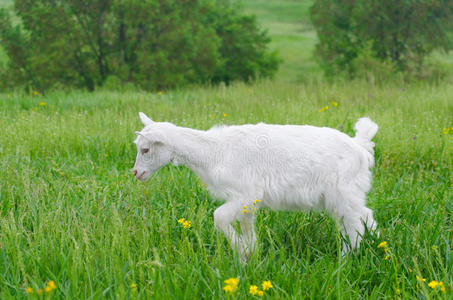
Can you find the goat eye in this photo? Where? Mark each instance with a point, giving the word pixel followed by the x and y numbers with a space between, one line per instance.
pixel 144 151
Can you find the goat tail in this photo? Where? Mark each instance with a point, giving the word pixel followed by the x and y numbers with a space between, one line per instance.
pixel 365 130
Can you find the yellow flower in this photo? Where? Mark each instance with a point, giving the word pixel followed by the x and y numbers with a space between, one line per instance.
pixel 133 286
pixel 42 103
pixel 383 244
pixel 180 221
pixel 253 290
pixel 433 284
pixel 445 130
pixel 52 285
pixel 266 285
pixel 48 289
pixel 323 109
pixel 232 281
pixel 387 257
pixel 420 278
pixel 39 291
pixel 35 93
pixel 225 115
pixel 244 211
pixel 231 285
pixel 160 92
pixel 228 288
pixel 29 290
pixel 398 291
pixel 187 224
pixel 256 201
pixel 260 293
pixel 334 103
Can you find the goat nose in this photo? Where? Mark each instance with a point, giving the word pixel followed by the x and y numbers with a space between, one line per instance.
pixel 135 172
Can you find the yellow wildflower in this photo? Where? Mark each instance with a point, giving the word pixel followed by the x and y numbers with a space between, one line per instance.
pixel 39 291
pixel 35 93
pixel 48 289
pixel 266 285
pixel 387 257
pixel 133 286
pixel 42 103
pixel 231 285
pixel 228 288
pixel 187 224
pixel 232 281
pixel 260 293
pixel 256 201
pixel 420 278
pixel 323 108
pixel 180 221
pixel 433 284
pixel 445 130
pixel 160 92
pixel 225 115
pixel 398 291
pixel 383 244
pixel 29 290
pixel 244 211
pixel 253 290
pixel 334 103
pixel 52 285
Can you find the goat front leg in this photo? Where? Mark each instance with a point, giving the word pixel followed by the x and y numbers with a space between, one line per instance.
pixel 248 232
pixel 224 216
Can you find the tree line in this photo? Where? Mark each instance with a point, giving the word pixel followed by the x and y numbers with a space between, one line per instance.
pixel 157 44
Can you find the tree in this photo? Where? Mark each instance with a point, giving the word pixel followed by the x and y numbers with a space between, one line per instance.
pixel 152 43
pixel 401 31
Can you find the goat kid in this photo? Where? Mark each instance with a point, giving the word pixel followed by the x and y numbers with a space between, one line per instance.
pixel 284 166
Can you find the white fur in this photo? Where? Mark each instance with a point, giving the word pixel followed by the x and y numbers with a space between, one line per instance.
pixel 284 166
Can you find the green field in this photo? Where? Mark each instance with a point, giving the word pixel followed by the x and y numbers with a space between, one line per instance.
pixel 71 211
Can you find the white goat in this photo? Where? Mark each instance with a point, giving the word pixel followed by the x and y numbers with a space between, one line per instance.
pixel 284 166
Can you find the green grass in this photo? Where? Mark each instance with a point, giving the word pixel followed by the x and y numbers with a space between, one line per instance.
pixel 70 210
pixel 293 36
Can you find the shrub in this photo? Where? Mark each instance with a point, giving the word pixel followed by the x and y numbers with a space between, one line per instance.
pixel 153 44
pixel 401 33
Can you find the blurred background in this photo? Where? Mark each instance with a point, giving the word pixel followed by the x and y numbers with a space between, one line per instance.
pixel 162 44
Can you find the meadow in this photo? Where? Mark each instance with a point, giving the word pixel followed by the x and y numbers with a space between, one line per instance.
pixel 72 213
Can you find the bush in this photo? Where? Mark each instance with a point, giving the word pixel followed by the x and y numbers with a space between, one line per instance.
pixel 153 44
pixel 399 33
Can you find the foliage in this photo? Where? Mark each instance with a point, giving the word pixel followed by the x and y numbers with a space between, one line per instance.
pixel 401 33
pixel 153 44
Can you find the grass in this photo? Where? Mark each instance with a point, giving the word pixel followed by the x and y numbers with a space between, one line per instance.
pixel 71 211
pixel 293 36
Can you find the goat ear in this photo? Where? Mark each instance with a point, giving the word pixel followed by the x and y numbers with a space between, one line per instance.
pixel 145 120
pixel 156 137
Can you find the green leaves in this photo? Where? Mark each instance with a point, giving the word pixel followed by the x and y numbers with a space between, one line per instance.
pixel 401 33
pixel 152 44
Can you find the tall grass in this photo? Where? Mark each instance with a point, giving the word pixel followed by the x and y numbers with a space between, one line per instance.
pixel 71 212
